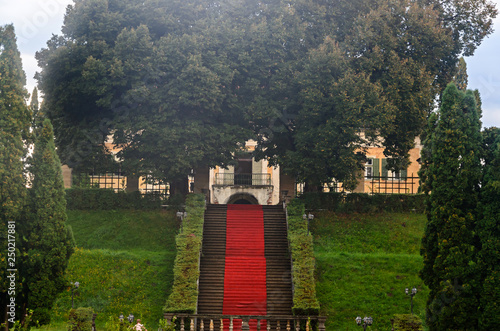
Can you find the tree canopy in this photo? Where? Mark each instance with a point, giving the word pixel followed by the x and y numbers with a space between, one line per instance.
pixel 180 84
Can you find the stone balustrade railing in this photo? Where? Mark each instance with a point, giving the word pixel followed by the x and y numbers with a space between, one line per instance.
pixel 193 322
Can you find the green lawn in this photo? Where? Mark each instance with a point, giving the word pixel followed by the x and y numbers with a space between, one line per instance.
pixel 123 263
pixel 363 263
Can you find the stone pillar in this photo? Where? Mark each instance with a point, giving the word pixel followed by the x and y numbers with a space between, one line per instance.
pixel 202 182
pixel 67 176
pixel 360 188
pixel 287 187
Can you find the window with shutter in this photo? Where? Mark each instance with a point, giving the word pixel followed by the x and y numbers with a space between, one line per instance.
pixel 372 168
pixel 393 175
pixel 385 172
pixel 369 168
pixel 376 167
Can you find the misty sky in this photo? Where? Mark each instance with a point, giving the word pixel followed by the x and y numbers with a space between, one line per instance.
pixel 36 20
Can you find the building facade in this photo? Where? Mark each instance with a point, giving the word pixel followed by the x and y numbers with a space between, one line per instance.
pixel 256 182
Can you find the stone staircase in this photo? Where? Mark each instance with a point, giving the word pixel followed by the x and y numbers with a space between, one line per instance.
pixel 211 282
pixel 278 271
pixel 279 282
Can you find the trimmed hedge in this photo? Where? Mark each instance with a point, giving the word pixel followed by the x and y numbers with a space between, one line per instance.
pixel 364 202
pixel 407 322
pixel 301 243
pixel 186 269
pixel 107 199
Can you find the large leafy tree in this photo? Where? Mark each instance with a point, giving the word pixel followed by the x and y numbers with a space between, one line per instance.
pixel 451 174
pixel 336 103
pixel 406 50
pixel 14 127
pixel 48 240
pixel 182 84
pixel 156 83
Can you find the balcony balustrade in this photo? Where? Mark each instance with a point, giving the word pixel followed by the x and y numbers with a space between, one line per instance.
pixel 254 179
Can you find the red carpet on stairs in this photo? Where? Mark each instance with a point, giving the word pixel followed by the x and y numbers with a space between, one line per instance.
pixel 245 273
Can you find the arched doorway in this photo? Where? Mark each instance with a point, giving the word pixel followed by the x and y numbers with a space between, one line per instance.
pixel 242 199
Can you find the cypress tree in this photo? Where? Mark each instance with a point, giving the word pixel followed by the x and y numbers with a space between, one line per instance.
pixel 37 115
pixel 49 241
pixel 489 233
pixel 14 126
pixel 451 180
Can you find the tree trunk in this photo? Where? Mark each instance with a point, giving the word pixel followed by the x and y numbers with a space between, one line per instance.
pixel 6 318
pixel 179 187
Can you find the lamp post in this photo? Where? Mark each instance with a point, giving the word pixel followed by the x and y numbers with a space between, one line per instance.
pixel 181 215
pixel 309 217
pixel 412 294
pixel 76 285
pixel 366 321
pixel 130 318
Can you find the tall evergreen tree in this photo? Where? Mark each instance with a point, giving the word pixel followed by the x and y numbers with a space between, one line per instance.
pixel 14 126
pixel 489 233
pixel 37 115
pixel 451 175
pixel 49 241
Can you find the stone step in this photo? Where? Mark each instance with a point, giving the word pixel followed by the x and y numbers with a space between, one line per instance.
pixel 278 279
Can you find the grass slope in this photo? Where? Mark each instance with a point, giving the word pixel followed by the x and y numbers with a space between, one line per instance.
pixel 123 262
pixel 363 263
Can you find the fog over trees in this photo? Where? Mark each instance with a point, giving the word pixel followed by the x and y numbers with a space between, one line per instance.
pixel 183 84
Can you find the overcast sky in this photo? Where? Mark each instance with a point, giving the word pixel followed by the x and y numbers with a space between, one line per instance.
pixel 36 20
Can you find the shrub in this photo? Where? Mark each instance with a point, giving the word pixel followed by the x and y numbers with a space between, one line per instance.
pixel 80 319
pixel 407 322
pixel 115 324
pixel 167 324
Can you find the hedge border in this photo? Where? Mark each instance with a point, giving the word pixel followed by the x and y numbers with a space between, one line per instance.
pixel 364 202
pixel 305 301
pixel 107 199
pixel 184 295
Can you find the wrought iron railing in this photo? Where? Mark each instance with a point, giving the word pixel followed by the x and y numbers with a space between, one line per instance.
pixel 117 181
pixel 382 185
pixel 193 322
pixel 255 179
pixel 393 185
pixel 109 180
pixel 149 185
